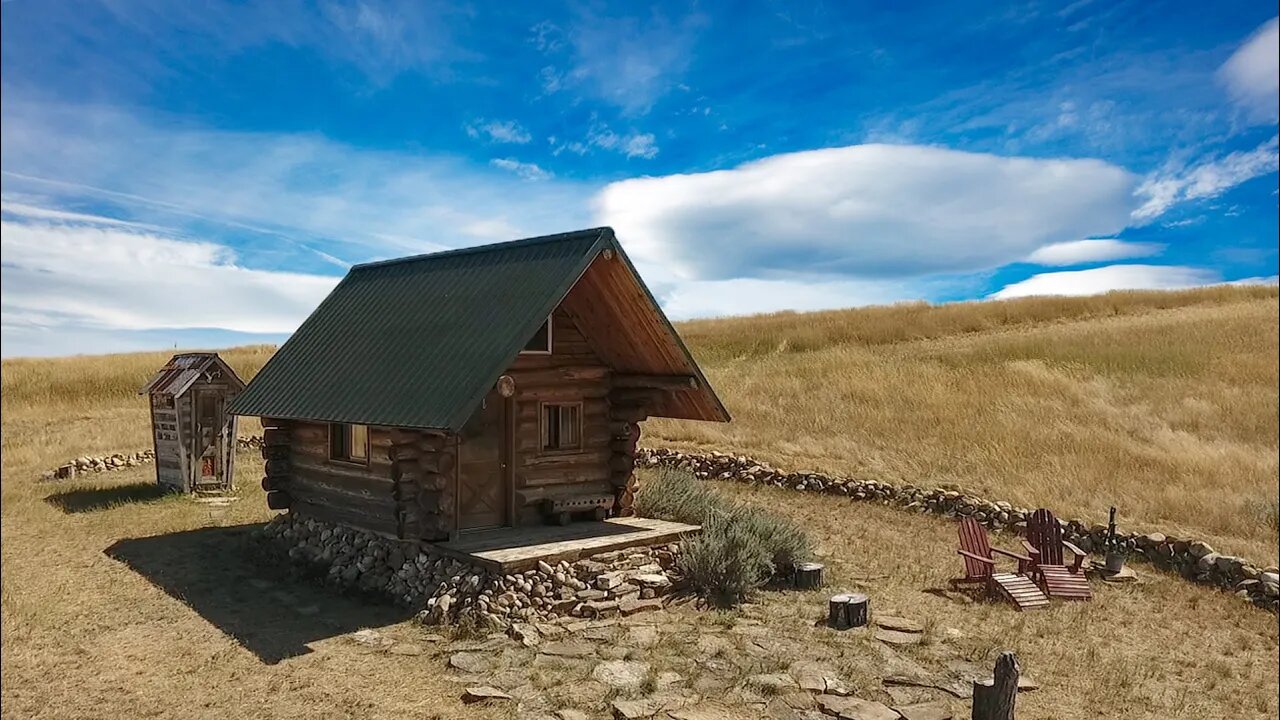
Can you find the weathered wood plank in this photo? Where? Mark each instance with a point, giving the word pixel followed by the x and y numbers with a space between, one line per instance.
pixel 518 549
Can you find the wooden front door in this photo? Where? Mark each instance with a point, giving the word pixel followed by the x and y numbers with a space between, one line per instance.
pixel 484 451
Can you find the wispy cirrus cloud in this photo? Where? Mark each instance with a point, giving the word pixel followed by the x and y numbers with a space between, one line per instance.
pixel 528 171
pixel 1207 178
pixel 311 192
pixel 498 131
pixel 627 61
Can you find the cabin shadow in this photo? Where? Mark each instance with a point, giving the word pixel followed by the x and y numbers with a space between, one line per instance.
pixel 212 572
pixel 93 499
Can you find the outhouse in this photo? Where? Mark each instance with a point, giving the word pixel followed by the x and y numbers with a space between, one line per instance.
pixel 195 436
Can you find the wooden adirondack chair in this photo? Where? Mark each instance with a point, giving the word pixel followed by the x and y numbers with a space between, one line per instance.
pixel 980 568
pixel 1044 543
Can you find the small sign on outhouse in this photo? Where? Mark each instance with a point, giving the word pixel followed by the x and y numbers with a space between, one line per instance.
pixel 195 437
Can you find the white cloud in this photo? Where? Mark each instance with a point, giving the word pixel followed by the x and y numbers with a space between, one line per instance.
pixel 1206 179
pixel 629 62
pixel 64 216
pixel 1077 252
pixel 528 171
pixel 259 189
pixel 1270 280
pixel 1252 73
pixel 746 296
pixel 865 210
pixel 641 145
pixel 499 131
pixel 59 277
pixel 1111 277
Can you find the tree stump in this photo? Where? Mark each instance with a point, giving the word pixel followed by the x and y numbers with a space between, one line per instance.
pixel 808 576
pixel 847 611
pixel 994 699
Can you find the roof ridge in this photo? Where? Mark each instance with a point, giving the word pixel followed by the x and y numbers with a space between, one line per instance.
pixel 490 247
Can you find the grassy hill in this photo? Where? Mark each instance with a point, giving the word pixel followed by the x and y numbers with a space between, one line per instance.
pixel 120 603
pixel 1161 403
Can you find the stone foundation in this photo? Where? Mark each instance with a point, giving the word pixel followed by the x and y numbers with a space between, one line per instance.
pixel 445 590
pixel 1191 558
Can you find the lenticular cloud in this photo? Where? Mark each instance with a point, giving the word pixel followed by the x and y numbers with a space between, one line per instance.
pixel 865 210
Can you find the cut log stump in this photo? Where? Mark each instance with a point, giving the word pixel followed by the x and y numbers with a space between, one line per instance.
pixel 808 576
pixel 994 699
pixel 848 611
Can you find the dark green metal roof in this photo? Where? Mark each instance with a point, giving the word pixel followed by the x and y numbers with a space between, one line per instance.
pixel 418 341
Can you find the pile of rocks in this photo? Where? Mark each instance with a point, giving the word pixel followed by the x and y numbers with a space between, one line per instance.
pixel 120 461
pixel 249 443
pixel 1191 558
pixel 446 590
pixel 98 463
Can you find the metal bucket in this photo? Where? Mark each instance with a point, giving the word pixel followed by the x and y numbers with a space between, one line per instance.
pixel 1115 562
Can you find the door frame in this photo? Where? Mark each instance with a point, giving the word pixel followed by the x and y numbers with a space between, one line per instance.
pixel 505 429
pixel 507 459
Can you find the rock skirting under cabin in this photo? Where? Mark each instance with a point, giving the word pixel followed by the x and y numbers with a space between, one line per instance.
pixel 445 590
pixel 1193 559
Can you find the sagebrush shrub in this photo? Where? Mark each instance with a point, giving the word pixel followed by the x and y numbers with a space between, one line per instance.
pixel 786 543
pixel 726 563
pixel 741 547
pixel 676 496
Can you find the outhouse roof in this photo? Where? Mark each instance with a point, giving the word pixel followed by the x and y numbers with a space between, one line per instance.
pixel 183 370
pixel 419 341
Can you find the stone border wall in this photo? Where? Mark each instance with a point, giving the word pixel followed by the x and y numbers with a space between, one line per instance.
pixel 1191 558
pixel 445 590
pixel 86 464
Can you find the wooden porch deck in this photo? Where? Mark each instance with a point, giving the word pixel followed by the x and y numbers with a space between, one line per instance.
pixel 520 548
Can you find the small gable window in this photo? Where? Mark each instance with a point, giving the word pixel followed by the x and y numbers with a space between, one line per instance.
pixel 349 443
pixel 561 426
pixel 540 343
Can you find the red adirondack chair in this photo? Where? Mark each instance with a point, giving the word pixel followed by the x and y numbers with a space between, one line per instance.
pixel 1045 545
pixel 980 568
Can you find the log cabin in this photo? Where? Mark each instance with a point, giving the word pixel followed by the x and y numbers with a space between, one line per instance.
pixel 489 387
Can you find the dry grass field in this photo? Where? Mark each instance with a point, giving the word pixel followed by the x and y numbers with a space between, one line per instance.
pixel 118 603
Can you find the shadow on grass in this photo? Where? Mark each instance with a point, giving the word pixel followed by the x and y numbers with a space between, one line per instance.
pixel 212 572
pixel 92 499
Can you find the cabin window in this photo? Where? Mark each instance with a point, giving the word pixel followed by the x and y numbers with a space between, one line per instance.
pixel 349 443
pixel 540 343
pixel 561 426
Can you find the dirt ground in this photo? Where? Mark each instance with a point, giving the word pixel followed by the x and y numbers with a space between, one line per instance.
pixel 119 602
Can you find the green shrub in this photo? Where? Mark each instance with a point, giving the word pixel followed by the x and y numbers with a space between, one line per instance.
pixel 786 543
pixel 677 496
pixel 741 547
pixel 726 562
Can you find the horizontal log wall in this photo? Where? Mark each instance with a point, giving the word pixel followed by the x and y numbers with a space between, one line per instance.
pixel 358 495
pixel 424 472
pixel 571 373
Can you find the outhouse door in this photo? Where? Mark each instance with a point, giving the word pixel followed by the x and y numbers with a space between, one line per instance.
pixel 208 440
pixel 484 466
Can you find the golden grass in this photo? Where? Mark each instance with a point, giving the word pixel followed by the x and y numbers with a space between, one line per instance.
pixel 1168 413
pixel 1162 649
pixel 1164 404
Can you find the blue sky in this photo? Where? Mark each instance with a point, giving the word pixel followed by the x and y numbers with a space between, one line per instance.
pixel 192 175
